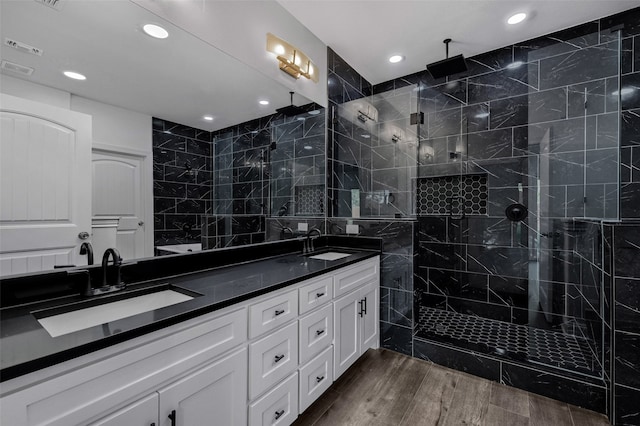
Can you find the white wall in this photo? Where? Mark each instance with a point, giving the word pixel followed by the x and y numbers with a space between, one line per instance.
pixel 34 92
pixel 116 126
pixel 239 28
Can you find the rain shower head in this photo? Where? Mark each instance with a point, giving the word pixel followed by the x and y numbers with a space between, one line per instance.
pixel 448 66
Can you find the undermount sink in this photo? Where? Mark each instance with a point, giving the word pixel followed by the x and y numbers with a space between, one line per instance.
pixel 83 317
pixel 330 255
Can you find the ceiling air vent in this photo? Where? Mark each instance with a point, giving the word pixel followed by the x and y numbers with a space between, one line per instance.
pixel 17 68
pixel 55 4
pixel 23 47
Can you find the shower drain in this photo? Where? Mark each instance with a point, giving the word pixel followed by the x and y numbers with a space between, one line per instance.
pixel 504 339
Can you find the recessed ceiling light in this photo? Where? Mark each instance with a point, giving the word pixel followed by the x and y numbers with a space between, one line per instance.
pixel 74 75
pixel 395 59
pixel 482 115
pixel 264 102
pixel 155 31
pixel 308 147
pixel 514 65
pixel 314 112
pixel 208 118
pixel 516 18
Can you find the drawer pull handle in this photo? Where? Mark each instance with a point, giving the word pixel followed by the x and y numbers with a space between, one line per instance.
pixel 319 379
pixel 319 294
pixel 361 313
pixel 279 312
pixel 172 417
pixel 364 309
pixel 319 332
pixel 279 414
pixel 279 357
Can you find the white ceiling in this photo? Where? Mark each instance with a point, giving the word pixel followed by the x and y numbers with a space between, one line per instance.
pixel 367 33
pixel 183 78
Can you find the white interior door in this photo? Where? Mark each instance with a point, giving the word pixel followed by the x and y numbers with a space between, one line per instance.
pixel 117 186
pixel 45 185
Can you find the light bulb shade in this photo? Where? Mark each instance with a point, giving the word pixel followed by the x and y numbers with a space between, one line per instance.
pixel 292 61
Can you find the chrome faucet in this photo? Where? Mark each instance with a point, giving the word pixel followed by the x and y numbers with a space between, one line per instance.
pixel 86 248
pixel 308 242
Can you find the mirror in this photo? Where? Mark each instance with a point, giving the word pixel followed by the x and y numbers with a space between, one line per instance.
pixel 178 79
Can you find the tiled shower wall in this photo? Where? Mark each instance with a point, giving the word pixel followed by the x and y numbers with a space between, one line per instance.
pixel 182 182
pixel 221 197
pixel 459 257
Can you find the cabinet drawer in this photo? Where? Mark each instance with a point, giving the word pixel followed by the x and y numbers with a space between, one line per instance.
pixel 272 313
pixel 272 358
pixel 354 277
pixel 316 293
pixel 278 407
pixel 316 332
pixel 315 378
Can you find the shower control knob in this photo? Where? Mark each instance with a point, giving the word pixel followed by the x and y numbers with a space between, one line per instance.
pixel 83 235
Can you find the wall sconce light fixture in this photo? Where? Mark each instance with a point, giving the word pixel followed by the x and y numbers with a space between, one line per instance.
pixel 291 59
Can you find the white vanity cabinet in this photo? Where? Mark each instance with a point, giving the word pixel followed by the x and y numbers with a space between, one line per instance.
pixel 105 384
pixel 259 362
pixel 356 324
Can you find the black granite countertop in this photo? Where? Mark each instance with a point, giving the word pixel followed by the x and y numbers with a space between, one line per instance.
pixel 25 346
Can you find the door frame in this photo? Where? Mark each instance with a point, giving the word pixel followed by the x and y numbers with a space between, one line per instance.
pixel 146 182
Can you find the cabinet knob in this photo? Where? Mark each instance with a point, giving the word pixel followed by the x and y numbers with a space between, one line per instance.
pixel 279 312
pixel 279 414
pixel 83 235
pixel 278 358
pixel 319 332
pixel 319 379
pixel 319 294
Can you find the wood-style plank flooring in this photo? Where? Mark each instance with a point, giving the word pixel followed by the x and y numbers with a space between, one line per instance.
pixel 387 388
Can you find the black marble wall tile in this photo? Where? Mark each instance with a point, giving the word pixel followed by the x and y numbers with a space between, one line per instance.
pixel 509 291
pixel 580 393
pixel 627 309
pixel 592 63
pixel 396 338
pixel 630 91
pixel 626 406
pixel 490 144
pixel 512 262
pixel 627 359
pixel 630 20
pixel 508 82
pixel 490 61
pixel 563 41
pixel 469 362
pixel 630 128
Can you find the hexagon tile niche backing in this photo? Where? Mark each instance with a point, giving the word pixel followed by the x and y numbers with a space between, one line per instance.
pixel 443 195
pixel 309 200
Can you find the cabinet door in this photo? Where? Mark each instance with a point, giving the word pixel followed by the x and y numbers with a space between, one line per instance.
pixel 346 332
pixel 215 394
pixel 141 413
pixel 370 323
